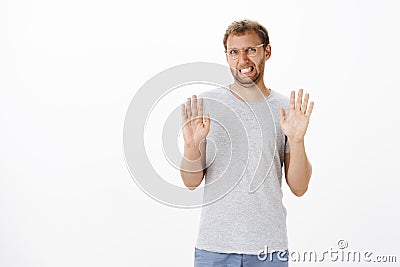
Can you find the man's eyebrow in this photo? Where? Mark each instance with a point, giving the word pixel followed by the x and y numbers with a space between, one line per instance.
pixel 230 48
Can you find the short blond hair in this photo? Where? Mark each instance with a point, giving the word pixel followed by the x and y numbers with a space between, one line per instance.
pixel 240 27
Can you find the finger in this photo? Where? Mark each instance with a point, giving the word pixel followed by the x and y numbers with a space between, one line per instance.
pixel 194 106
pixel 291 104
pixel 188 108
pixel 183 113
pixel 310 108
pixel 305 103
pixel 299 99
pixel 283 114
pixel 200 106
pixel 207 121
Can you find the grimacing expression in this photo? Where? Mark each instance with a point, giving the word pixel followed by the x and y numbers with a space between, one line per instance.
pixel 247 70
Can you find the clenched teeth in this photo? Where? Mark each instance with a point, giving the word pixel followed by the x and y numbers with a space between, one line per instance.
pixel 246 70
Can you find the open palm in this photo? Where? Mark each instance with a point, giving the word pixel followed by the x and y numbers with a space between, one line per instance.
pixel 294 126
pixel 195 125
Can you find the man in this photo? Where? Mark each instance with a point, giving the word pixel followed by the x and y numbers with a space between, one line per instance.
pixel 250 216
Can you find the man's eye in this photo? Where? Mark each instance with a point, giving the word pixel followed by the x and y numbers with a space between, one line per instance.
pixel 251 49
pixel 233 52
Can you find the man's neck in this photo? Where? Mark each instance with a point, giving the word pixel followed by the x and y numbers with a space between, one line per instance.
pixel 250 94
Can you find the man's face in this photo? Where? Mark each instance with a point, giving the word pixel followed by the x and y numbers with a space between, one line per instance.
pixel 247 70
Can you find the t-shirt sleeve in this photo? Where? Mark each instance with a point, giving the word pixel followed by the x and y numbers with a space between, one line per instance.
pixel 285 104
pixel 287 148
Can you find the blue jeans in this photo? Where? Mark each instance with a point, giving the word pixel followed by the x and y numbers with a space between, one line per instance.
pixel 204 258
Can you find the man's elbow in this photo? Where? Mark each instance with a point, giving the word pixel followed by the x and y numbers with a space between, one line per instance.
pixel 299 192
pixel 192 182
pixel 191 186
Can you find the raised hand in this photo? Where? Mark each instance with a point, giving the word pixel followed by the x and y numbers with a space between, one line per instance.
pixel 294 126
pixel 195 126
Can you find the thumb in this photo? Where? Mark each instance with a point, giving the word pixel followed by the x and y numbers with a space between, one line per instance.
pixel 283 114
pixel 207 121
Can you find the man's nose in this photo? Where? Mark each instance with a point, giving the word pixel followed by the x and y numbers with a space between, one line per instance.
pixel 243 58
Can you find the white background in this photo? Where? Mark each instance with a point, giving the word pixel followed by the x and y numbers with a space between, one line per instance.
pixel 69 69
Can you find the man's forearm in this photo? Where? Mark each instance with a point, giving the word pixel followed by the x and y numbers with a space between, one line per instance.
pixel 299 169
pixel 192 167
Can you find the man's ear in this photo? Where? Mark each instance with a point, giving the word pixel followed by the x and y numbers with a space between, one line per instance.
pixel 267 52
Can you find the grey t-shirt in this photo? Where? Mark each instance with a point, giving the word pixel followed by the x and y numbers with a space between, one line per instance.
pixel 244 159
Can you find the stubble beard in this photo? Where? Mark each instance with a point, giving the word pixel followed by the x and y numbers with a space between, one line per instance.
pixel 245 81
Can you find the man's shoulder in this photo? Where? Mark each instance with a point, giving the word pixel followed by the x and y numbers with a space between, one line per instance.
pixel 278 96
pixel 280 99
pixel 215 93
